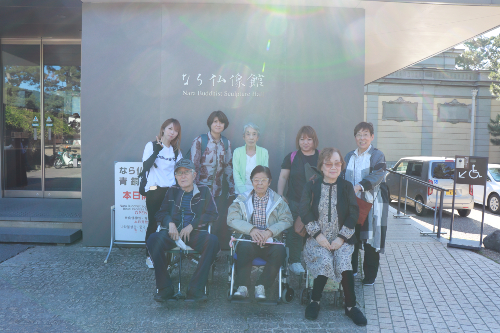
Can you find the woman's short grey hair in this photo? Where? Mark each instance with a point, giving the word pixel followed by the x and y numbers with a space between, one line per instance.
pixel 252 125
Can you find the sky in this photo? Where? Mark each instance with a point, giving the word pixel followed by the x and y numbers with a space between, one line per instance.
pixel 493 32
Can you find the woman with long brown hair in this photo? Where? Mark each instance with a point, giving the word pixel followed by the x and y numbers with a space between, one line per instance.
pixel 159 160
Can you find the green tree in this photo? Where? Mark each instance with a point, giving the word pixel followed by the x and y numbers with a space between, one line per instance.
pixel 483 53
pixel 494 129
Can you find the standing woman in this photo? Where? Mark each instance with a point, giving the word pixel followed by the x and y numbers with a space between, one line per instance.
pixel 247 157
pixel 159 159
pixel 329 210
pixel 297 169
pixel 366 172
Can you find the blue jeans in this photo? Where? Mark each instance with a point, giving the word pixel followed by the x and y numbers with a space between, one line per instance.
pixel 201 241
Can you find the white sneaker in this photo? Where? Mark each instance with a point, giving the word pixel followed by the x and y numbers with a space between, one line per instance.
pixel 242 292
pixel 149 263
pixel 297 268
pixel 260 292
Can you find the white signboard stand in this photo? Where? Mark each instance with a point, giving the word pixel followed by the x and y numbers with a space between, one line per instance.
pixel 129 215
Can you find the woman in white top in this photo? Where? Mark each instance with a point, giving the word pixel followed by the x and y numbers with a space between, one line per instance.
pixel 159 160
pixel 247 157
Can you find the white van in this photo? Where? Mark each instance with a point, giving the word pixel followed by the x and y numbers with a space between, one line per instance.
pixel 435 170
pixel 492 189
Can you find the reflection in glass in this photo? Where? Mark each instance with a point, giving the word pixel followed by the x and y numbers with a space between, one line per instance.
pixel 20 66
pixel 62 72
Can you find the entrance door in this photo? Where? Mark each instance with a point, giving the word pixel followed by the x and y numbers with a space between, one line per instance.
pixel 61 109
pixel 22 133
pixel 41 154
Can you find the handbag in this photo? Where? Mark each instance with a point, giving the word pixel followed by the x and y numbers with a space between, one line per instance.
pixel 298 225
pixel 364 210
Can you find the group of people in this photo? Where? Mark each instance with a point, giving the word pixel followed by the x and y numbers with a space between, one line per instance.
pixel 231 192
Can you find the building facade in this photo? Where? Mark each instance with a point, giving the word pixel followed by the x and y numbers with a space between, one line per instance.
pixel 426 110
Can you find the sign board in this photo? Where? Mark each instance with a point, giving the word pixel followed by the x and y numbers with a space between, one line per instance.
pixel 131 214
pixel 471 170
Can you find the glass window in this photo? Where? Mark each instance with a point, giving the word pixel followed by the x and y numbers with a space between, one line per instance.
pixel 62 115
pixel 401 167
pixel 443 170
pixel 415 169
pixel 495 173
pixel 20 65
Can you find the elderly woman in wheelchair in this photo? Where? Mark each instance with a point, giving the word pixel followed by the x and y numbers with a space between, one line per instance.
pixel 257 216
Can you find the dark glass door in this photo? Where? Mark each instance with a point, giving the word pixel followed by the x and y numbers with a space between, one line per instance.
pixel 62 120
pixel 22 132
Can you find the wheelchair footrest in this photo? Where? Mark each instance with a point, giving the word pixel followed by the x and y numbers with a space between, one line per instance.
pixel 245 300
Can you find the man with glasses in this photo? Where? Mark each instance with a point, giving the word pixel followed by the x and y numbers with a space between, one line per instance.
pixel 366 171
pixel 185 214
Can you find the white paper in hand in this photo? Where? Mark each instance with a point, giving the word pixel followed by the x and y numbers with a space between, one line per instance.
pixel 181 244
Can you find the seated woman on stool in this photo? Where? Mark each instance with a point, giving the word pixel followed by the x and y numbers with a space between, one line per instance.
pixel 259 214
pixel 329 211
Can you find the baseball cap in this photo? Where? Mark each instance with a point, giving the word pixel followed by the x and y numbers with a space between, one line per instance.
pixel 184 163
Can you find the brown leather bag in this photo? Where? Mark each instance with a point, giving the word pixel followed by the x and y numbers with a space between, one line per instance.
pixel 364 209
pixel 298 226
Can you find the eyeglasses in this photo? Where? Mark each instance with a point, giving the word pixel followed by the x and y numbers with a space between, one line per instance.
pixel 183 173
pixel 337 165
pixel 363 136
pixel 260 181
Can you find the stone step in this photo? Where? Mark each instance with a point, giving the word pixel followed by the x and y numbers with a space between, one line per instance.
pixel 39 235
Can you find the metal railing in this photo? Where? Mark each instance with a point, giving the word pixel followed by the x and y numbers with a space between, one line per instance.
pixel 436 209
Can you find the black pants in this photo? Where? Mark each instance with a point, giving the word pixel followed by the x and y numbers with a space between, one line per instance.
pixel 294 241
pixel 154 198
pixel 220 227
pixel 201 241
pixel 371 261
pixel 274 255
pixel 347 286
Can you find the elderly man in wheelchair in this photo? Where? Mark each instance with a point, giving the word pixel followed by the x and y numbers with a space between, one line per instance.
pixel 185 214
pixel 258 215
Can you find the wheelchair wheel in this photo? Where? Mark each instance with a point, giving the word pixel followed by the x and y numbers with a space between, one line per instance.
pixel 287 294
pixel 305 296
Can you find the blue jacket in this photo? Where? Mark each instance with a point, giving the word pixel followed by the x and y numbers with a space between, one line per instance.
pixel 202 206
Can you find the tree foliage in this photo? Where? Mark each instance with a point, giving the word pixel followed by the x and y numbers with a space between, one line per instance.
pixel 484 54
pixel 22 97
pixel 494 129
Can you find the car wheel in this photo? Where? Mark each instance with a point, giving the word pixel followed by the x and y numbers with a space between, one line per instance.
pixel 464 212
pixel 419 208
pixel 494 203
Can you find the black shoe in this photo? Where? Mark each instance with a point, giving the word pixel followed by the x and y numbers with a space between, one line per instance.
pixel 356 315
pixel 367 282
pixel 164 294
pixel 312 311
pixel 196 297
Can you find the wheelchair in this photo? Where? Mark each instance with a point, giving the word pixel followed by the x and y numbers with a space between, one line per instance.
pixel 285 292
pixel 174 259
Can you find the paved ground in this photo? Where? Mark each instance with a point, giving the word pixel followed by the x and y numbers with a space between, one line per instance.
pixel 422 286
